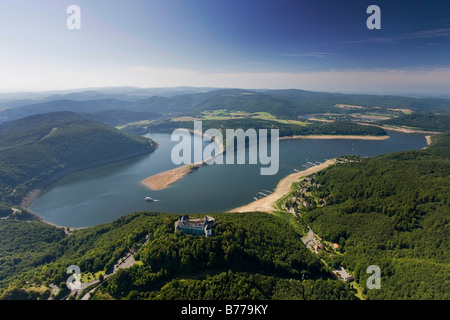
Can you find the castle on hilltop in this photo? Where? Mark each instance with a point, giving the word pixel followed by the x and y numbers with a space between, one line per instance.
pixel 195 227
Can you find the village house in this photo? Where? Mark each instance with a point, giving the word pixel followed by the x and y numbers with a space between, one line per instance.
pixel 343 274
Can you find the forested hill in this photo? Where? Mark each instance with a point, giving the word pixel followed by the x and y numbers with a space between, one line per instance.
pixel 249 256
pixel 391 211
pixel 280 103
pixel 285 129
pixel 36 149
pixel 428 122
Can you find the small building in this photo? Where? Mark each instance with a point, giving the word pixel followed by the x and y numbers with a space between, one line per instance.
pixel 343 274
pixel 195 227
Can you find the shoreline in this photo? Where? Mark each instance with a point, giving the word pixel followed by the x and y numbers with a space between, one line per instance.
pixel 331 137
pixel 164 179
pixel 400 129
pixel 267 203
pixel 31 196
pixel 405 130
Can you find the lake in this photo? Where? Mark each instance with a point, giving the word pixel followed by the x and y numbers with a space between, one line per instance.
pixel 105 193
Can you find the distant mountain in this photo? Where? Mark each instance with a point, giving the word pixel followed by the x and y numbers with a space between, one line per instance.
pixel 119 117
pixel 168 92
pixel 284 103
pixel 281 103
pixel 65 105
pixel 14 100
pixel 232 99
pixel 91 95
pixel 322 99
pixel 39 149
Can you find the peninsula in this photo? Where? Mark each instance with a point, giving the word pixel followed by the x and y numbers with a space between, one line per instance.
pixel 267 203
pixel 164 179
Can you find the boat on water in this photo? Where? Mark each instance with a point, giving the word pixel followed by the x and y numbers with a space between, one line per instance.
pixel 149 199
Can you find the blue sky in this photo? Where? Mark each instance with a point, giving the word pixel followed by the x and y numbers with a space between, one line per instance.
pixel 315 45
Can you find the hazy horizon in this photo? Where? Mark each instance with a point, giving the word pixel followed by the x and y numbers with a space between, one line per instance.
pixel 16 95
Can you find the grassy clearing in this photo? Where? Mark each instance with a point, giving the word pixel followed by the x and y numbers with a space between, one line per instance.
pixel 357 287
pixel 184 118
pixel 142 122
pixel 288 217
pixel 88 276
pixel 224 114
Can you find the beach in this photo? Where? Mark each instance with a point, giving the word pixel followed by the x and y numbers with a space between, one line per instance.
pixel 164 179
pixel 327 137
pixel 399 129
pixel 30 198
pixel 267 203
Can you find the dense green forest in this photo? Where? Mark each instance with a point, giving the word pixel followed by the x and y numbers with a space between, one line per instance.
pixel 240 244
pixel 47 251
pixel 26 244
pixel 38 148
pixel 250 256
pixel 119 117
pixel 284 103
pixel 391 211
pixel 250 286
pixel 429 122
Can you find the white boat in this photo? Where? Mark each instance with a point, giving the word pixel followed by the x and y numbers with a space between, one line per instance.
pixel 149 199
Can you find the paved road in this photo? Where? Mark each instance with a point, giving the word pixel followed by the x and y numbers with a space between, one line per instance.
pixel 123 263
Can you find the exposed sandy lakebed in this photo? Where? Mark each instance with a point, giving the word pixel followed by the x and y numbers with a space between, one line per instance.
pixel 331 137
pixel 267 203
pixel 164 179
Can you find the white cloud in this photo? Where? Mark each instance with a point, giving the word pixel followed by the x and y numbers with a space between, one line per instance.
pixel 426 34
pixel 311 54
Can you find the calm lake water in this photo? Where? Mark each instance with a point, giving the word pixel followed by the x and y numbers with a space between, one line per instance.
pixel 102 194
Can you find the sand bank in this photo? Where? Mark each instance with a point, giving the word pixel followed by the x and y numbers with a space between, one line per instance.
pixel 398 129
pixel 164 179
pixel 406 130
pixel 326 137
pixel 30 198
pixel 266 204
